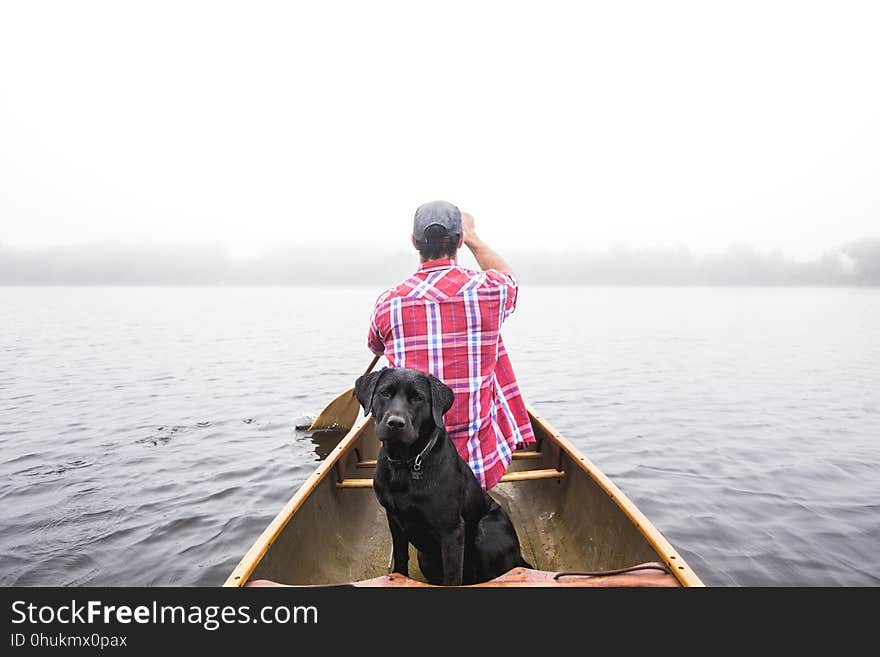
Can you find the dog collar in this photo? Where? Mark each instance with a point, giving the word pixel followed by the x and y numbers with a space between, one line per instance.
pixel 415 464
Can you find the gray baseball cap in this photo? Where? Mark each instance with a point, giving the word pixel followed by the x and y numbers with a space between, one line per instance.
pixel 437 213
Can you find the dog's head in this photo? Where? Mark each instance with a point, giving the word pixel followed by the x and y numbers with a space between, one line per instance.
pixel 405 403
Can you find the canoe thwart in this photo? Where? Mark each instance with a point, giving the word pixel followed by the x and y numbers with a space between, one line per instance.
pixel 523 475
pixel 355 483
pixel 528 475
pixel 517 456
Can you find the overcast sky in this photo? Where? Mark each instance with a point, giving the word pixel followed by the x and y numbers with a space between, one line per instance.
pixel 590 124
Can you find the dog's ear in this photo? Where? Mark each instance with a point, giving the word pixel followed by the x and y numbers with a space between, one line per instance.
pixel 365 387
pixel 441 399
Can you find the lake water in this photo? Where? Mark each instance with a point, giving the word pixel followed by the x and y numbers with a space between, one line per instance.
pixel 146 434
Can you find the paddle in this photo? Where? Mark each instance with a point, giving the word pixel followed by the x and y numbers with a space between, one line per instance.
pixel 341 413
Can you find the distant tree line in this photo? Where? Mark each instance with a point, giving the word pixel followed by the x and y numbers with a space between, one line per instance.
pixel 856 263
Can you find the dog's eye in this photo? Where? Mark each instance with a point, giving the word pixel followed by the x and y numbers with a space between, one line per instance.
pixel 385 393
pixel 418 398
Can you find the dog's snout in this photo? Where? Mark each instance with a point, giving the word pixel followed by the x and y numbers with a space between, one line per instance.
pixel 395 422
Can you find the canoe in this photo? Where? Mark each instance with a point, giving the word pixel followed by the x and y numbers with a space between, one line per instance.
pixel 575 526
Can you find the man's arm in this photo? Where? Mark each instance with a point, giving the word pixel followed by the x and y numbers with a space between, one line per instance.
pixel 374 343
pixel 374 336
pixel 485 256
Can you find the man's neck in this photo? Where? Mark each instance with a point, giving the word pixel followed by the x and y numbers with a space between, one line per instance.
pixel 438 262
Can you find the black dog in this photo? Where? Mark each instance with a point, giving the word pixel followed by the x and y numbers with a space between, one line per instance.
pixel 432 498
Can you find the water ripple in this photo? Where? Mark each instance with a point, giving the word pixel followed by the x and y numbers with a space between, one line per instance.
pixel 148 426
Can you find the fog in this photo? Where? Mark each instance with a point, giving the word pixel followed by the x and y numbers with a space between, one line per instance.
pixel 255 124
pixel 854 263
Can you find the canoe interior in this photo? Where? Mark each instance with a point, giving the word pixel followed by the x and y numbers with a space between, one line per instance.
pixel 334 535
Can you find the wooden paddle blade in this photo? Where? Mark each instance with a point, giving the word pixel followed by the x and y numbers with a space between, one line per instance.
pixel 340 414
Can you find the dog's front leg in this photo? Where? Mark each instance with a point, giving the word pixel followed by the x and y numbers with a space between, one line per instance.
pixel 452 553
pixel 400 547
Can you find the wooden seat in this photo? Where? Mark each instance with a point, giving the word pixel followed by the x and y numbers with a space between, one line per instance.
pixel 651 574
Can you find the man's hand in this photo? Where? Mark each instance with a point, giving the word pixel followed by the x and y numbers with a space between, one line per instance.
pixel 469 234
pixel 486 257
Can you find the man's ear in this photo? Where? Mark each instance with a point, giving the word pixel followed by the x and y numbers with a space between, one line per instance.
pixel 365 387
pixel 441 399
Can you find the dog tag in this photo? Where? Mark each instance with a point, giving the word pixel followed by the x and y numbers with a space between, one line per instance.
pixel 416 471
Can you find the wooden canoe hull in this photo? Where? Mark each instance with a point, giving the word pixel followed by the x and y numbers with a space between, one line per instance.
pixel 569 517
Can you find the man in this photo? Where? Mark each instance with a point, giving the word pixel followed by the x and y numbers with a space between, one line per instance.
pixel 446 320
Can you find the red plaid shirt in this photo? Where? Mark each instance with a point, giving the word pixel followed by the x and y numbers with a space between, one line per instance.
pixel 446 320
